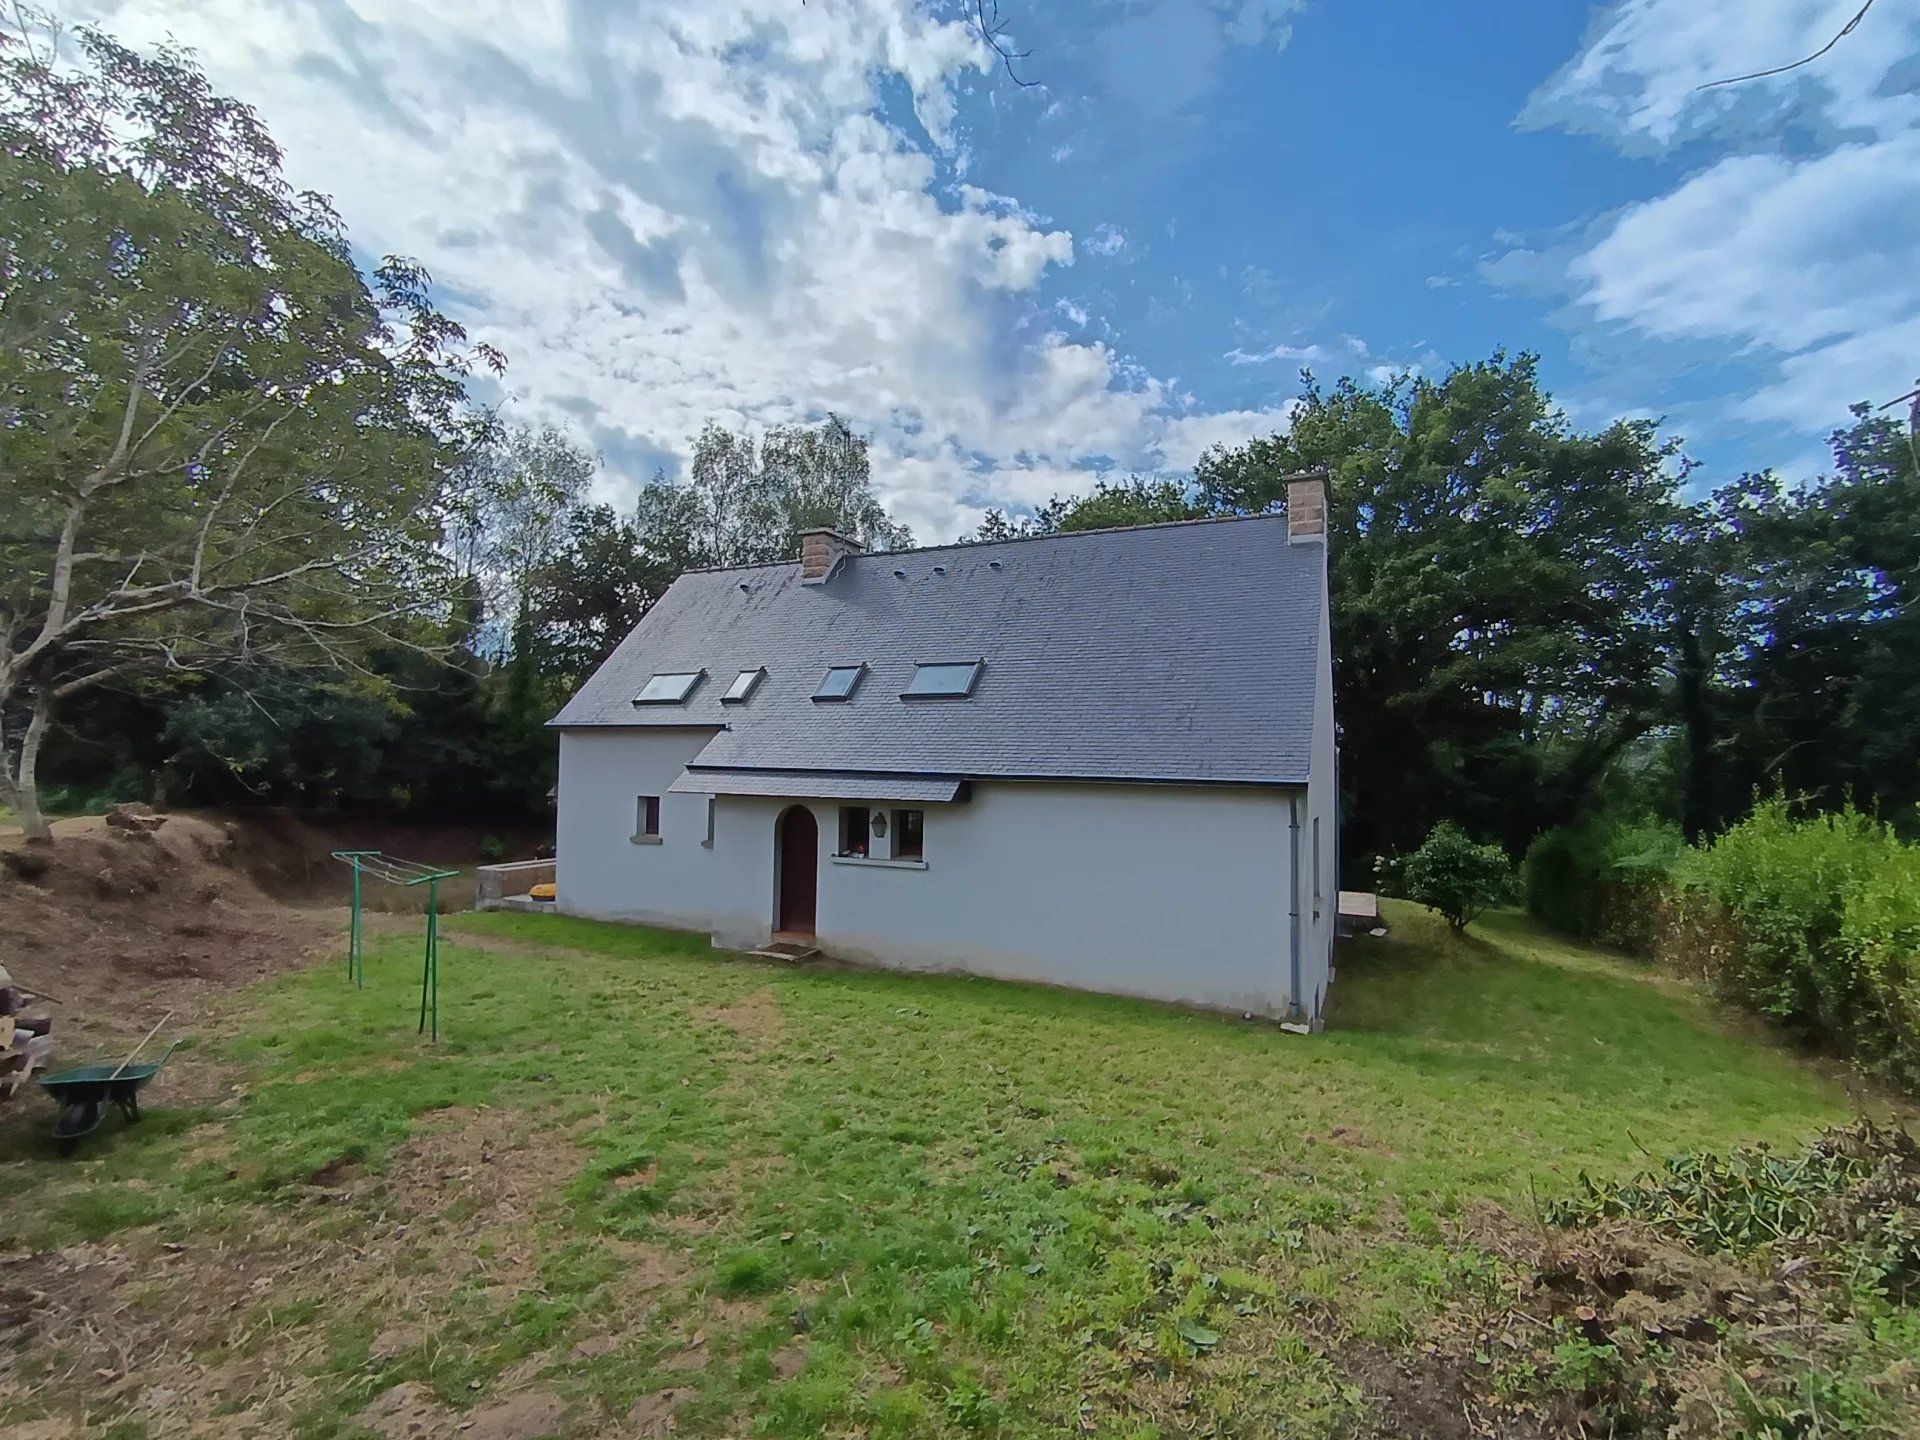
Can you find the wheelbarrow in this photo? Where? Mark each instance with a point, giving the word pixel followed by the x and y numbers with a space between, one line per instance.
pixel 83 1094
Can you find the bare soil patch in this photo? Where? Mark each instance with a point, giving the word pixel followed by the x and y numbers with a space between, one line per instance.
pixel 106 920
pixel 178 1333
pixel 755 1017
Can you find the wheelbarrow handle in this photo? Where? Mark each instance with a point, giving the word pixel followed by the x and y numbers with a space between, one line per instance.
pixel 141 1046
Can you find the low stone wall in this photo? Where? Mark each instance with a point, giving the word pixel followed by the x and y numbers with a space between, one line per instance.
pixel 496 885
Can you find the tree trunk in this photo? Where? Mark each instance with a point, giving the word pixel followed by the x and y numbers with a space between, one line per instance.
pixel 21 788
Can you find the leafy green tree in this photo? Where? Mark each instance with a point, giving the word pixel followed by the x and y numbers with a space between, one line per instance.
pixel 1451 874
pixel 1820 686
pixel 513 502
pixel 746 502
pixel 1495 643
pixel 221 443
pixel 1111 505
pixel 605 574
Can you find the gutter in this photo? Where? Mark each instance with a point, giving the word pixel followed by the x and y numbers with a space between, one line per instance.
pixel 1293 904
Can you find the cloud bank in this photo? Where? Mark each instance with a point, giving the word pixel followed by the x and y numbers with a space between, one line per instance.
pixel 749 211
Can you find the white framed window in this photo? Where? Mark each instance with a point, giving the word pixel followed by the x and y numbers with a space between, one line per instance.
pixel 856 831
pixel 909 834
pixel 646 820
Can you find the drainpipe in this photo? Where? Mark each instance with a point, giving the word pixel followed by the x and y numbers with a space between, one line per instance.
pixel 1293 903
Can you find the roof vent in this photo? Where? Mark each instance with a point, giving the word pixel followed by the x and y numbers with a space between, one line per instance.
pixel 939 569
pixel 821 553
pixel 899 574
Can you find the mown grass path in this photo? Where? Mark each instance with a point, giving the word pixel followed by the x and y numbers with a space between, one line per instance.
pixel 639 1180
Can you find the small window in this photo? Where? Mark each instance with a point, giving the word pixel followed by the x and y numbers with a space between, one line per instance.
pixel 742 686
pixel 713 804
pixel 943 680
pixel 839 682
pixel 856 825
pixel 668 687
pixel 646 815
pixel 909 834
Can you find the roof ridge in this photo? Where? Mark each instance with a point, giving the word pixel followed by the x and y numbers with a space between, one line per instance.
pixel 1007 540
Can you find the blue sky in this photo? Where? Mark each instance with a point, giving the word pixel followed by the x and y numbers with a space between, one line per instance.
pixel 759 210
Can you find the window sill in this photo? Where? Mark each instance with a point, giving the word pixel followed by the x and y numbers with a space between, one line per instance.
pixel 643 839
pixel 878 864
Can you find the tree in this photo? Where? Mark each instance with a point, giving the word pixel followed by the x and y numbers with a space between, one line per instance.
pixel 1816 689
pixel 514 499
pixel 1111 505
pixel 603 576
pixel 1495 647
pixel 1451 874
pixel 222 443
pixel 746 503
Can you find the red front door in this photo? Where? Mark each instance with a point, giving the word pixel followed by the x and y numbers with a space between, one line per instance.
pixel 796 859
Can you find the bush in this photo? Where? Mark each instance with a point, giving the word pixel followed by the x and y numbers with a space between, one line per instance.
pixel 1601 879
pixel 1453 875
pixel 1815 923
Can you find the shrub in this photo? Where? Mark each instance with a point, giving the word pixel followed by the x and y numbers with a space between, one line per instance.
pixel 1601 879
pixel 1815 923
pixel 1453 875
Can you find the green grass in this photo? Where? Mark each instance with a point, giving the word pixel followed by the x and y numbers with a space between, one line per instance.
pixel 976 1208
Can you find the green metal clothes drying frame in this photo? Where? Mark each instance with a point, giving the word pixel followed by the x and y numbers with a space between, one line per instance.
pixel 406 874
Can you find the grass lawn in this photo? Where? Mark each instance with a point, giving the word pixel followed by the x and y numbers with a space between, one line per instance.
pixel 638 1181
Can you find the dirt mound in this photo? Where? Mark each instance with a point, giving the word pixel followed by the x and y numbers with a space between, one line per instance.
pixel 114 923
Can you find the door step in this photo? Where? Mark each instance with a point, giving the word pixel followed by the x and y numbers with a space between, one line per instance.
pixel 794 952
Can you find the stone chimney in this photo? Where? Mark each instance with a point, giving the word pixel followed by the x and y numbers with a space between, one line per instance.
pixel 821 552
pixel 1307 508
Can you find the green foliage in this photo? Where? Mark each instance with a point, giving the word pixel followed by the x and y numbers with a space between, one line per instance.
pixel 1110 505
pixel 1851 1200
pixel 1590 878
pixel 1451 874
pixel 190 352
pixel 1493 650
pixel 1824 927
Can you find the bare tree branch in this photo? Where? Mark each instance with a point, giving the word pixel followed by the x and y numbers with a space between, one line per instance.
pixel 1845 30
pixel 993 30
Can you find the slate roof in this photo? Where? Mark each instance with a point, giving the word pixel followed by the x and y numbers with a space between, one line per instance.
pixel 1166 652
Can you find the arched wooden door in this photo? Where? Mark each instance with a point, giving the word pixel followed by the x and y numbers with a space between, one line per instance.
pixel 796 863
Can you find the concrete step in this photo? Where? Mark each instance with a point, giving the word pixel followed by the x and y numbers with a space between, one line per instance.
pixel 794 952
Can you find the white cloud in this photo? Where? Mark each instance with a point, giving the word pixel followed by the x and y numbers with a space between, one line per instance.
pixel 1305 354
pixel 1796 260
pixel 1186 438
pixel 1638 76
pixel 667 214
pixel 1105 240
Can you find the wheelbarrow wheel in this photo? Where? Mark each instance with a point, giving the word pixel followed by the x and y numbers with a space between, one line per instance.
pixel 76 1120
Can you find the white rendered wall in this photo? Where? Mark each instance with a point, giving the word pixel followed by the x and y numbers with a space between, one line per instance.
pixel 1170 893
pixel 602 872
pixel 1320 905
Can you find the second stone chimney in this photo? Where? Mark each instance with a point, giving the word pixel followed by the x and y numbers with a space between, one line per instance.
pixel 1307 508
pixel 821 552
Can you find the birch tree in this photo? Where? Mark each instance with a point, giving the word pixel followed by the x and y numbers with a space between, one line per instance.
pixel 219 442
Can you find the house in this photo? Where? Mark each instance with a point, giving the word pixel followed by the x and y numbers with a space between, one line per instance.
pixel 1101 760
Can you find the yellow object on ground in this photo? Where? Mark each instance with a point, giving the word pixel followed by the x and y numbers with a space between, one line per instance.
pixel 543 892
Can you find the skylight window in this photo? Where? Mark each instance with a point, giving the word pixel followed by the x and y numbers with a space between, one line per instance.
pixel 838 683
pixel 742 686
pixel 943 680
pixel 669 687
